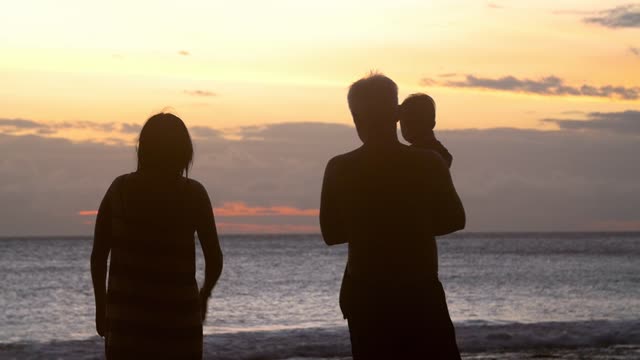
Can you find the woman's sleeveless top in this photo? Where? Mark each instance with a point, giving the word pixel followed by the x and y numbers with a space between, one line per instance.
pixel 153 309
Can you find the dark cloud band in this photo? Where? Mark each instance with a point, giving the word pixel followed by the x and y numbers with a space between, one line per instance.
pixel 205 93
pixel 625 122
pixel 548 86
pixel 50 128
pixel 627 16
pixel 568 180
pixel 21 124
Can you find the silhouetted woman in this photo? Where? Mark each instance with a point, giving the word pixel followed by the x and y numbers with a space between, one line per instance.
pixel 152 308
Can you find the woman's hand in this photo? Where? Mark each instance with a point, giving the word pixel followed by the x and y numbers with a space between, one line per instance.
pixel 204 302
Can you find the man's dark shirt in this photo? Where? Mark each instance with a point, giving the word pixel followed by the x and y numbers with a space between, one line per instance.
pixel 387 204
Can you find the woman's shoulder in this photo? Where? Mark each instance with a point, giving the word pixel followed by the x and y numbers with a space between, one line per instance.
pixel 194 186
pixel 196 192
pixel 116 185
pixel 120 180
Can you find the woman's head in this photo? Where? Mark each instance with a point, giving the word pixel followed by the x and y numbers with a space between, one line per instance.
pixel 165 145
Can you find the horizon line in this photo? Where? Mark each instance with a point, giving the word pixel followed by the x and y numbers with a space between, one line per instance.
pixel 461 233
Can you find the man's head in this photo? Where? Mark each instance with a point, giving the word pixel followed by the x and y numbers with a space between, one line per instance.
pixel 417 116
pixel 373 101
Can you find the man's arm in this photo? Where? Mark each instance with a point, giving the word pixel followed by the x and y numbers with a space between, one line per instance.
pixel 331 224
pixel 447 209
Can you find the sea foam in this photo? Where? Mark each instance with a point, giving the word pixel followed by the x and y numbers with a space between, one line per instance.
pixel 323 343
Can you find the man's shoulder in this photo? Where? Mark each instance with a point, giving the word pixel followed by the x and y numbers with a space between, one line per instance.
pixel 345 158
pixel 120 180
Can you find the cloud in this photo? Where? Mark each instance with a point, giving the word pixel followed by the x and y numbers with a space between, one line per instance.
pixel 635 51
pixel 236 209
pixel 548 86
pixel 204 131
pixel 184 53
pixel 20 124
pixel 86 125
pixel 44 181
pixel 46 131
pixel 545 180
pixel 109 132
pixel 625 122
pixel 615 225
pixel 509 179
pixel 200 93
pixel 128 128
pixel 429 82
pixel 48 128
pixel 626 16
pixel 247 213
pixel 298 133
pixel 494 6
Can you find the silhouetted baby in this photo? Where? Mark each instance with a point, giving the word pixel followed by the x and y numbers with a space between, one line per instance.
pixel 417 120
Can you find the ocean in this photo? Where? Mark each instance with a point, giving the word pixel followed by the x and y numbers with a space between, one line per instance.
pixel 511 296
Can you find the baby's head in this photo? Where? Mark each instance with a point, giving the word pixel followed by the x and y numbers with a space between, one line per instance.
pixel 417 116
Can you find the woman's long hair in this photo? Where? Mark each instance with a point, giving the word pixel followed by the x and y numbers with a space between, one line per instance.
pixel 165 146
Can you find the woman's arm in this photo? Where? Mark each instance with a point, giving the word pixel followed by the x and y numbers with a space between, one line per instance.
pixel 99 256
pixel 208 235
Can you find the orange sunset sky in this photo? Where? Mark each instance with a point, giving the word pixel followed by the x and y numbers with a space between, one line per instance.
pixel 79 77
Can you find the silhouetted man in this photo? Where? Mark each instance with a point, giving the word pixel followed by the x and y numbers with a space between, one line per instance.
pixel 387 201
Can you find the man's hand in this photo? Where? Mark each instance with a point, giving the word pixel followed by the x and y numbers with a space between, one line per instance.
pixel 101 323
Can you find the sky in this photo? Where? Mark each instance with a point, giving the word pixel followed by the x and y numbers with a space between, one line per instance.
pixel 538 102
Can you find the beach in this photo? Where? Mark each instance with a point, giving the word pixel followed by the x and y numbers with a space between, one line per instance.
pixel 489 343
